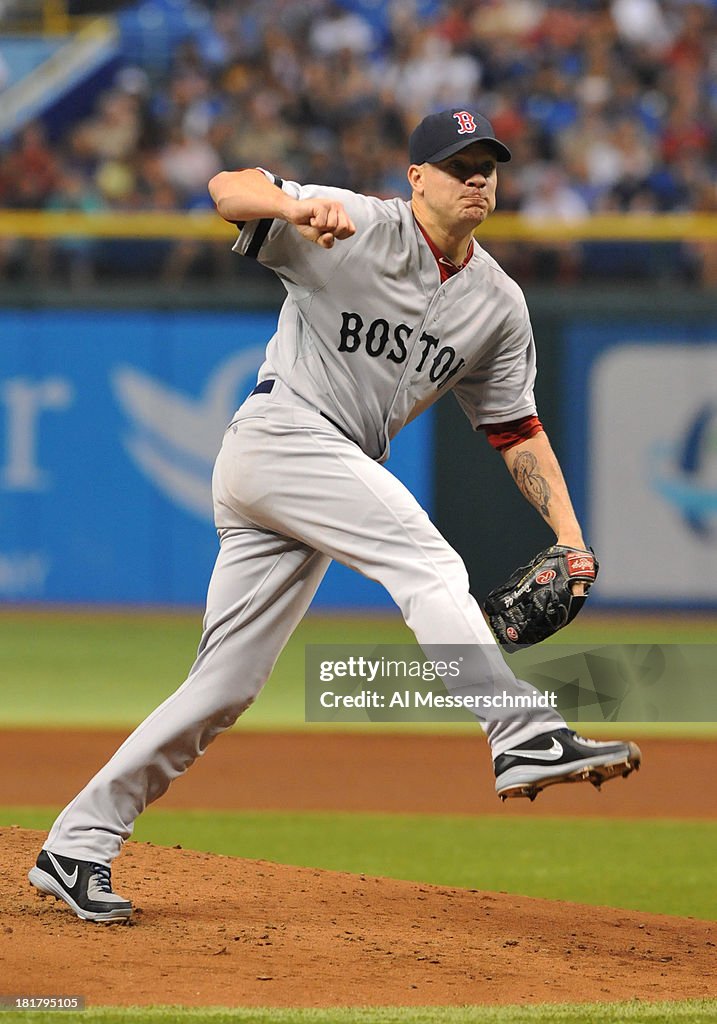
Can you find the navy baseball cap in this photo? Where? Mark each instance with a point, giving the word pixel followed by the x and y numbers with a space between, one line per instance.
pixel 445 133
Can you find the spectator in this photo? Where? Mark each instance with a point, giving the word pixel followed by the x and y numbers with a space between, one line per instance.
pixel 609 105
pixel 188 163
pixel 115 131
pixel 75 256
pixel 338 30
pixel 554 200
pixel 30 170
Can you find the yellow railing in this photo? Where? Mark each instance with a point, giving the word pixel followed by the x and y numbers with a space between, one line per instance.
pixel 208 226
pixel 669 227
pixel 149 225
pixel 48 17
pixel 55 19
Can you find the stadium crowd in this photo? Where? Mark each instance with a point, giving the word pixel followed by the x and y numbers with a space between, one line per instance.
pixel 608 105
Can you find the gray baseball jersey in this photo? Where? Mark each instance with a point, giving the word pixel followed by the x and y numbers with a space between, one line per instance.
pixel 367 338
pixel 370 338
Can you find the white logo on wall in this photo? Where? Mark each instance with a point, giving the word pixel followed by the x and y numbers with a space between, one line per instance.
pixel 175 438
pixel 684 471
pixel 653 480
pixel 24 401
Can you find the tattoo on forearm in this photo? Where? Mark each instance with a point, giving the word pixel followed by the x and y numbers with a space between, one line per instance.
pixel 534 486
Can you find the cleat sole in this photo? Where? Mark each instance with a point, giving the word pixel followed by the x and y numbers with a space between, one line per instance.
pixel 596 774
pixel 46 885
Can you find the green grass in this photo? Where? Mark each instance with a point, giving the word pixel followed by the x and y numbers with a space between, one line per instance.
pixel 110 669
pixel 693 1011
pixel 629 628
pixel 658 866
pixel 99 669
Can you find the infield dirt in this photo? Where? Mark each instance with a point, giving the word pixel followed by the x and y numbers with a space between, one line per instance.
pixel 213 930
pixel 332 771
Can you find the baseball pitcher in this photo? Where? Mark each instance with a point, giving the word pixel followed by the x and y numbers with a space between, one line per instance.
pixel 389 305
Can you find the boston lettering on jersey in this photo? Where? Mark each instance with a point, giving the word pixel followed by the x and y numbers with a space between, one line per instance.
pixel 380 339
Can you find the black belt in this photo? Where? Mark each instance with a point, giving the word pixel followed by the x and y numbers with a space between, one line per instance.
pixel 265 387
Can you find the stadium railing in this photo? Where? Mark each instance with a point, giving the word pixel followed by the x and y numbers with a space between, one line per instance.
pixel 509 227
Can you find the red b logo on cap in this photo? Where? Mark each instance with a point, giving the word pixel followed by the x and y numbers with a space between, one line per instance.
pixel 466 122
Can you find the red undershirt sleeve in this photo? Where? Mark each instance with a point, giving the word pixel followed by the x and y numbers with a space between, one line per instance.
pixel 505 435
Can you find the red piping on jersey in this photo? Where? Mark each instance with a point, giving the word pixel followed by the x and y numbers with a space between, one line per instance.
pixel 505 435
pixel 446 268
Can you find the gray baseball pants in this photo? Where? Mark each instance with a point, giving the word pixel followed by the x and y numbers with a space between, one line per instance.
pixel 290 494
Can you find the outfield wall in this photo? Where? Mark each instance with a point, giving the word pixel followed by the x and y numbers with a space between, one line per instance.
pixel 110 418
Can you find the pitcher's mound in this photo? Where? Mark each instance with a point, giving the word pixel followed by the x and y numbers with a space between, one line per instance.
pixel 211 930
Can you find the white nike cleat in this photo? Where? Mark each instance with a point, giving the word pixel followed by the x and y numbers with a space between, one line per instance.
pixel 83 885
pixel 561 756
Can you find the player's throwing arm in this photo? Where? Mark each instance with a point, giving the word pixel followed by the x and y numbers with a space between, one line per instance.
pixel 249 195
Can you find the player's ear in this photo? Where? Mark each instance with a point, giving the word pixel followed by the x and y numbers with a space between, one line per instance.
pixel 415 177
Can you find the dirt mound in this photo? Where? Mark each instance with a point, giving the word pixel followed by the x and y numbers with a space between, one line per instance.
pixel 213 930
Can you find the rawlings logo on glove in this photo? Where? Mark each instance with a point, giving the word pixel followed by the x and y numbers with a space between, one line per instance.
pixel 537 600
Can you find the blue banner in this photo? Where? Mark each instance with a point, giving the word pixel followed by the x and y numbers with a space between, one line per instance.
pixel 109 426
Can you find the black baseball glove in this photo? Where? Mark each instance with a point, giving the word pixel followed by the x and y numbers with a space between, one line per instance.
pixel 536 601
